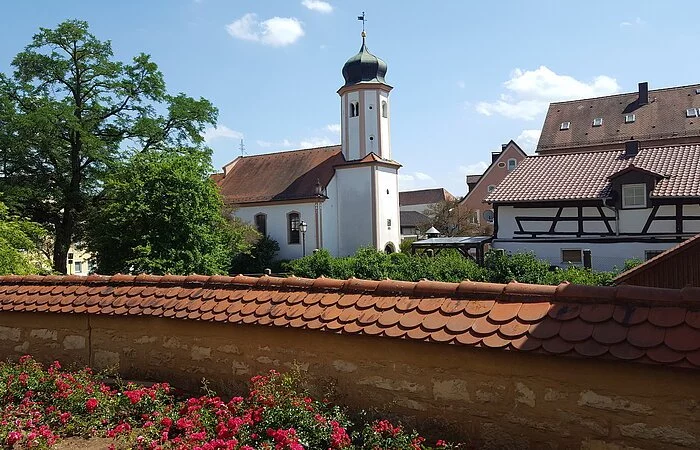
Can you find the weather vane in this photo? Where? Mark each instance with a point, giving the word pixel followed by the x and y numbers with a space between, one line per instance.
pixel 362 18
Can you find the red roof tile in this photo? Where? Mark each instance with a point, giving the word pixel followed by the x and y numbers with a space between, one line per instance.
pixel 645 325
pixel 584 176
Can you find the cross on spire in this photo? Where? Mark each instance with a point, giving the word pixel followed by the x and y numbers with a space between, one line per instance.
pixel 363 19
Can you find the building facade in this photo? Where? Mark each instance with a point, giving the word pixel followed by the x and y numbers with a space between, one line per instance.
pixel 339 198
pixel 415 207
pixel 620 204
pixel 480 186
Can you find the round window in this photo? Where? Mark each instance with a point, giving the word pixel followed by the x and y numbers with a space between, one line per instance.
pixel 501 164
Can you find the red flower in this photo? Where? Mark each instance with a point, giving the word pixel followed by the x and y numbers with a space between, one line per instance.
pixel 91 404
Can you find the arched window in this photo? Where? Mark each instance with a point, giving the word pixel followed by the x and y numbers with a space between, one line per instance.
pixel 354 109
pixel 512 164
pixel 293 228
pixel 389 248
pixel 385 109
pixel 261 223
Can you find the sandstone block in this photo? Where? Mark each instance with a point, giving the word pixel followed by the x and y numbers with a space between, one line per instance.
pixel 391 385
pixel 43 333
pixel 10 334
pixel 104 359
pixel 198 353
pixel 73 342
pixel 229 348
pixel 594 400
pixel 344 366
pixel 524 395
pixel 664 434
pixel 451 390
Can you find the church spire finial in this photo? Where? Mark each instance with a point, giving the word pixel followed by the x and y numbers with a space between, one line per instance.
pixel 363 19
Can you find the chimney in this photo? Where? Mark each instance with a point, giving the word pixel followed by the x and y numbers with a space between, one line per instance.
pixel 494 156
pixel 643 93
pixel 631 148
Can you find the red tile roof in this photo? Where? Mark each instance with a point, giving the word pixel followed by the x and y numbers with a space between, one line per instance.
pixel 627 323
pixel 580 176
pixel 663 117
pixel 279 176
pixel 676 268
pixel 424 196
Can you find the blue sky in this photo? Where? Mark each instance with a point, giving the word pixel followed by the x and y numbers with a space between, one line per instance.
pixel 467 76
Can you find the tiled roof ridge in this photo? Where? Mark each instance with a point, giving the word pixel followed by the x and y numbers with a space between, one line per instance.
pixel 683 246
pixel 565 292
pixel 620 94
pixel 324 147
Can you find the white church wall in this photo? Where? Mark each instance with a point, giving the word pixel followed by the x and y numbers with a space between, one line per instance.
pixel 385 133
pixel 354 193
pixel 388 227
pixel 351 134
pixel 329 215
pixel 277 225
pixel 369 116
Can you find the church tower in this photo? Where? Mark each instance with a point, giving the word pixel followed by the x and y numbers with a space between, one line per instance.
pixel 365 111
pixel 368 182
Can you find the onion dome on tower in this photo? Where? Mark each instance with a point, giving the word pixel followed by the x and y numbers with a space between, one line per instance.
pixel 364 67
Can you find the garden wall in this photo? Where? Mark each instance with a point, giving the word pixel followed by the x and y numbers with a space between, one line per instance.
pixel 503 398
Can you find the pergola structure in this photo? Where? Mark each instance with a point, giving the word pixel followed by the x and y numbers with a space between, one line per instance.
pixel 462 244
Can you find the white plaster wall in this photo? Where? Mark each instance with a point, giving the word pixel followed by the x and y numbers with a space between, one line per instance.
pixel 384 124
pixel 605 256
pixel 277 225
pixel 370 116
pixel 387 207
pixel 354 194
pixel 633 220
pixel 329 213
pixel 352 134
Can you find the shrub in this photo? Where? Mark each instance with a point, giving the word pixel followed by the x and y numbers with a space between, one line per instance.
pixel 260 257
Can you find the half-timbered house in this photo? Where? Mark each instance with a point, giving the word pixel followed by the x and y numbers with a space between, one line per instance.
pixel 619 204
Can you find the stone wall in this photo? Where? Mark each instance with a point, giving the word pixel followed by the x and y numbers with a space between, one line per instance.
pixel 505 399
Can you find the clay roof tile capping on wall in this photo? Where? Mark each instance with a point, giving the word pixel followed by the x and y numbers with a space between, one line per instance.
pixel 626 323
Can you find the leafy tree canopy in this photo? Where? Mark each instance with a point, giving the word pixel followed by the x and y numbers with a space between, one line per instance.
pixel 69 113
pixel 451 219
pixel 20 245
pixel 161 213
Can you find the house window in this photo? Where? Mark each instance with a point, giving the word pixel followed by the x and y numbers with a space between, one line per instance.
pixel 565 126
pixel 571 255
pixel 293 228
pixel 648 254
pixel 691 112
pixel 385 109
pixel 512 164
pixel 598 121
pixel 491 187
pixel 388 223
pixel 488 216
pixel 261 223
pixel 78 267
pixel 630 118
pixel 634 195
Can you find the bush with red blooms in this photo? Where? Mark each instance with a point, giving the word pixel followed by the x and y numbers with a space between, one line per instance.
pixel 41 405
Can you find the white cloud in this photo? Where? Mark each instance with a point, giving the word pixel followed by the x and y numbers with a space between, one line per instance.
pixel 527 140
pixel 285 143
pixel 473 169
pixel 530 92
pixel 315 141
pixel 409 181
pixel 333 128
pixel 220 132
pixel 318 6
pixel 637 21
pixel 275 32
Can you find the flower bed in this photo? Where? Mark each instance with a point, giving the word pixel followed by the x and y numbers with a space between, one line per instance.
pixel 41 405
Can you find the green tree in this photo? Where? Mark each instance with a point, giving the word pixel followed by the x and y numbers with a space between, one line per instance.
pixel 450 219
pixel 20 245
pixel 69 112
pixel 161 213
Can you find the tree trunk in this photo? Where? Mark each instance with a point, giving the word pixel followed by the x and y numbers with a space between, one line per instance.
pixel 62 245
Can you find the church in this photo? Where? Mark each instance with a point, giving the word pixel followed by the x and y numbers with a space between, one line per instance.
pixel 338 198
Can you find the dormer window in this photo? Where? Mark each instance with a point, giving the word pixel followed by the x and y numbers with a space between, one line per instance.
pixel 634 196
pixel 691 112
pixel 564 126
pixel 598 121
pixel 630 118
pixel 512 164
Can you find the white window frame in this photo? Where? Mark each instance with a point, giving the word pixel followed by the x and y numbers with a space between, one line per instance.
pixel 515 164
pixel 385 109
pixel 579 250
pixel 628 187
pixel 630 118
pixel 691 112
pixel 564 126
pixel 598 122
pixel 77 265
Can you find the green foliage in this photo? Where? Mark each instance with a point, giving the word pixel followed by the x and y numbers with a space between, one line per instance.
pixel 260 257
pixel 632 263
pixel 20 243
pixel 161 213
pixel 70 112
pixel 405 245
pixel 448 265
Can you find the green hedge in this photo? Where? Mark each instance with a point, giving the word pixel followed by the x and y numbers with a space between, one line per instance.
pixel 448 265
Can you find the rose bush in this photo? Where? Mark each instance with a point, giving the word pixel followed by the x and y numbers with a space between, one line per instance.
pixel 41 405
